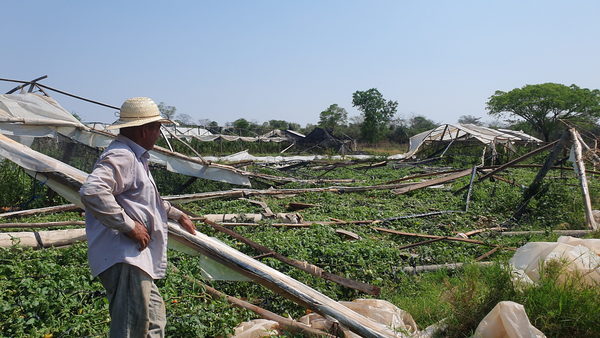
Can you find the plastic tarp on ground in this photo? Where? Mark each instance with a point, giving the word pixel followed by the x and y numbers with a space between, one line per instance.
pixel 581 256
pixel 459 132
pixel 507 320
pixel 26 116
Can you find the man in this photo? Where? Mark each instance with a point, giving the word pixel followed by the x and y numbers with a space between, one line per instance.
pixel 126 223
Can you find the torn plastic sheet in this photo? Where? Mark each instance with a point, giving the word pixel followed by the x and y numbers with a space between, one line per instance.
pixel 41 167
pixel 34 109
pixel 245 156
pixel 507 319
pixel 31 115
pixel 579 255
pixel 180 165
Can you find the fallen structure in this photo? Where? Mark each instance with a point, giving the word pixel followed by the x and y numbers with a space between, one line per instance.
pixel 448 134
pixel 66 181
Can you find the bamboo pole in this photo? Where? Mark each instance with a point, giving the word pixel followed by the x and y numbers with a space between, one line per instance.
pixel 58 208
pixel 436 267
pixel 537 181
pixel 457 239
pixel 42 239
pixel 574 233
pixel 587 203
pixel 511 163
pixel 429 183
pixel 40 225
pixel 278 282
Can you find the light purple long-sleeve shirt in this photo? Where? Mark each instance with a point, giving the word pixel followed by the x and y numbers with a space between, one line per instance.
pixel 120 190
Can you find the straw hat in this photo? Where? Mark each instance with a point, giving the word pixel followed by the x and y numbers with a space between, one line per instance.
pixel 138 111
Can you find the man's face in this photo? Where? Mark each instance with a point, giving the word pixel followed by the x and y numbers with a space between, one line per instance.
pixel 151 134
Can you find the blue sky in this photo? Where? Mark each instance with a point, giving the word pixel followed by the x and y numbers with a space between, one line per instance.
pixel 263 60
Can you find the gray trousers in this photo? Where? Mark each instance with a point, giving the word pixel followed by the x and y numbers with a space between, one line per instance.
pixel 136 306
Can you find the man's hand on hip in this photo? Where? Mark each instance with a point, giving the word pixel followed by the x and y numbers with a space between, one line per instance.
pixel 187 224
pixel 140 235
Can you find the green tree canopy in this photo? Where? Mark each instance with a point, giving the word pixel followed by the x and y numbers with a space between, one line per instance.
pixel 377 113
pixel 332 117
pixel 543 105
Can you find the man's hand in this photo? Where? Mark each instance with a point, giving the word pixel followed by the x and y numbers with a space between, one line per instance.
pixel 140 235
pixel 187 224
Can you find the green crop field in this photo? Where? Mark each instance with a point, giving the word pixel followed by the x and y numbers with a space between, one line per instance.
pixel 50 292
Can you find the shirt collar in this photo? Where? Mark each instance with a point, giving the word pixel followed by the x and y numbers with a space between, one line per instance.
pixel 139 151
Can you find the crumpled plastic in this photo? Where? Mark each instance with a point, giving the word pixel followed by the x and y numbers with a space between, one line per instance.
pixel 507 320
pixel 380 311
pixel 580 255
pixel 256 328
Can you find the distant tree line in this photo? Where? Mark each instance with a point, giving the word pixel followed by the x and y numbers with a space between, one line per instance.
pixel 540 110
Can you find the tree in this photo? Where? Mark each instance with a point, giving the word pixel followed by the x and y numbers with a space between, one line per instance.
pixel 377 113
pixel 470 119
pixel 278 124
pixel 242 127
pixel 418 124
pixel 543 105
pixel 204 122
pixel 184 119
pixel 333 117
pixel 167 112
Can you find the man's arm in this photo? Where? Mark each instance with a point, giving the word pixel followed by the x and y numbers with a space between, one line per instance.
pixel 179 216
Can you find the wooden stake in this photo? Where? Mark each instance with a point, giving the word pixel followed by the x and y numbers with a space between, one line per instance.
pixel 587 203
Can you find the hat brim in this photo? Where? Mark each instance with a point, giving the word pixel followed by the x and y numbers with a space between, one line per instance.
pixel 125 123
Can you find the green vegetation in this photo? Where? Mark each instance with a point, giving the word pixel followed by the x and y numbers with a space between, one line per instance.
pixel 51 292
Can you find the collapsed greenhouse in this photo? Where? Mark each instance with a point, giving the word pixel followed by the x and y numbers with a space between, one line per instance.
pixel 27 118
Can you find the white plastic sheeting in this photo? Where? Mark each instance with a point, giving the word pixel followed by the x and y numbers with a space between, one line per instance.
pixel 581 256
pixel 203 135
pixel 380 311
pixel 26 116
pixel 256 328
pixel 507 320
pixel 455 132
pixel 245 156
pixel 33 109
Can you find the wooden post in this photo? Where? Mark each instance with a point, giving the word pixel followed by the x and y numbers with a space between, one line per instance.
pixel 537 181
pixel 587 203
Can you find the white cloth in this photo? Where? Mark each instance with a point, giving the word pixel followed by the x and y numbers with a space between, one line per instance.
pixel 120 190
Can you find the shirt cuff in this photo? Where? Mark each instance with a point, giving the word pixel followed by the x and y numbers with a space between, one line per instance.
pixel 174 213
pixel 128 224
